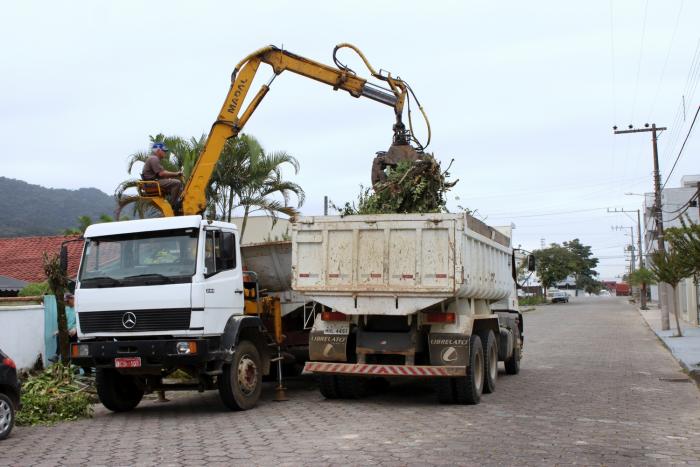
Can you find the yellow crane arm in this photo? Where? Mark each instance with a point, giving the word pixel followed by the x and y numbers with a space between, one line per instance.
pixel 230 121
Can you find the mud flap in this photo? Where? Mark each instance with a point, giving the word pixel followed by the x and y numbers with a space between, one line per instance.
pixel 448 349
pixel 328 347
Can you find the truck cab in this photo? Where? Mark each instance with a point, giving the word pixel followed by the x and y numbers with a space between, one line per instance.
pixel 157 295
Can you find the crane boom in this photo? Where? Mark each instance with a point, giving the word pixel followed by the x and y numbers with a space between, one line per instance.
pixel 233 116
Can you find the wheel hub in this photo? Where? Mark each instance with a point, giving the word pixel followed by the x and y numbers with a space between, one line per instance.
pixel 247 375
pixel 5 416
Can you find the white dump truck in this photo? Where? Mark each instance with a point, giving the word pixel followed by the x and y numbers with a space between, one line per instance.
pixel 409 295
pixel 157 295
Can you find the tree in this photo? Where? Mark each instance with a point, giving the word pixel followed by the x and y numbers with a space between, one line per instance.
pixel 248 177
pixel 641 277
pixel 671 267
pixel 84 222
pixel 554 264
pixel 583 263
pixel 58 281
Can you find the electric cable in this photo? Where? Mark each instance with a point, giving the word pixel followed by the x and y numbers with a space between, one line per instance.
pixel 682 147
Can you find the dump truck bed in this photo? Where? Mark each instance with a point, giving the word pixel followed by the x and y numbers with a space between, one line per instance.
pixel 379 261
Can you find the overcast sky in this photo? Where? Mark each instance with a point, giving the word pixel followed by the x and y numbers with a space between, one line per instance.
pixel 523 95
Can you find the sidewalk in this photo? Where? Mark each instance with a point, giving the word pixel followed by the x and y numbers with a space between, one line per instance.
pixel 685 349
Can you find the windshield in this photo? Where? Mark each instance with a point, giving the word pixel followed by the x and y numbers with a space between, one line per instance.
pixel 141 258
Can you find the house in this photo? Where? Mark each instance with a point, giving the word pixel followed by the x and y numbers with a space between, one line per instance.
pixel 10 287
pixel 21 258
pixel 675 203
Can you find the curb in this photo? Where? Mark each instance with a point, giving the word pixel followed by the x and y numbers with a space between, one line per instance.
pixel 693 374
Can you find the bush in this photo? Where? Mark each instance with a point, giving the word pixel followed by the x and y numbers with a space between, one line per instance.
pixel 35 289
pixel 55 395
pixel 531 301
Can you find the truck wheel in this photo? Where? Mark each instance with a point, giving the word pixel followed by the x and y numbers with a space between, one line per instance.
pixel 117 392
pixel 7 416
pixel 468 388
pixel 444 387
pixel 490 362
pixel 328 385
pixel 352 387
pixel 512 364
pixel 240 384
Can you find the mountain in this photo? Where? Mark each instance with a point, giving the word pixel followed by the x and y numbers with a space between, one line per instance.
pixel 27 209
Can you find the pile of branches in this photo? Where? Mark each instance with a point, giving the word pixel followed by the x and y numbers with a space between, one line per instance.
pixel 56 394
pixel 410 187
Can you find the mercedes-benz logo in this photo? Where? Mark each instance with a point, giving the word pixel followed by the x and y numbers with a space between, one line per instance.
pixel 128 320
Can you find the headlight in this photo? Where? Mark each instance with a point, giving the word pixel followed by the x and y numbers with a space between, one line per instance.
pixel 186 348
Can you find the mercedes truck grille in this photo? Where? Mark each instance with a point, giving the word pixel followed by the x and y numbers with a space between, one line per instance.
pixel 168 319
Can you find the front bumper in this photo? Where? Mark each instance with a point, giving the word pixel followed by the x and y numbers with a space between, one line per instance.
pixel 154 354
pixel 371 370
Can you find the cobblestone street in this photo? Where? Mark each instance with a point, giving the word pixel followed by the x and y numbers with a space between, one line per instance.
pixel 596 387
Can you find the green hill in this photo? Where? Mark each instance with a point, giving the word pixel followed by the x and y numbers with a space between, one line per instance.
pixel 27 209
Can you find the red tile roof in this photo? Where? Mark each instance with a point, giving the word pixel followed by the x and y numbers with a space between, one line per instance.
pixel 21 257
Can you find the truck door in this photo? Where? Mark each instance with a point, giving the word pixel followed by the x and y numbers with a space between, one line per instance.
pixel 223 279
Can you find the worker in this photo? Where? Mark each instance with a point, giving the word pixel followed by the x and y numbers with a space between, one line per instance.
pixel 168 181
pixel 69 299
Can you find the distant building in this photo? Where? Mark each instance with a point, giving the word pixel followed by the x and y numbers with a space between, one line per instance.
pixel 675 203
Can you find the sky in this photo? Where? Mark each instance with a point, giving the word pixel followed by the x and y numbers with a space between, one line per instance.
pixel 522 95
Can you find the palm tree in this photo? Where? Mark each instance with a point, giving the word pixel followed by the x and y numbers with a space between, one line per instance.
pixel 184 153
pixel 248 177
pixel 84 222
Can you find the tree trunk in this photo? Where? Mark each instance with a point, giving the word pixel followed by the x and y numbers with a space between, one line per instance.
pixel 245 221
pixel 674 302
pixel 230 205
pixel 63 339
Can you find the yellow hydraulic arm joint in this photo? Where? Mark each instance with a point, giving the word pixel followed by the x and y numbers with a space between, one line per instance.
pixel 230 121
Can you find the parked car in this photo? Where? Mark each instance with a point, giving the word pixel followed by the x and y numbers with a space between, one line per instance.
pixel 562 297
pixel 9 394
pixel 604 293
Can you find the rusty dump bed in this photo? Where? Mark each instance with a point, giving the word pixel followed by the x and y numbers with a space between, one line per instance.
pixel 399 256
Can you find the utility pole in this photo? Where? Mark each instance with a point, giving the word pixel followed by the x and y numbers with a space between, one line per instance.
pixel 663 288
pixel 643 292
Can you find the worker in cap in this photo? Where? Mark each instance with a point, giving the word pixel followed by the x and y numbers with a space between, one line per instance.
pixel 169 181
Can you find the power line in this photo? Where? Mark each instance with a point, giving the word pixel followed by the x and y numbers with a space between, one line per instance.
pixel 682 147
pixel 668 54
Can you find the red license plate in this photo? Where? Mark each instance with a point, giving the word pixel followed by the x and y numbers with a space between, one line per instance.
pixel 127 362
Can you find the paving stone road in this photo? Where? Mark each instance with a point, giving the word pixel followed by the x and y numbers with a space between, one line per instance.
pixel 596 387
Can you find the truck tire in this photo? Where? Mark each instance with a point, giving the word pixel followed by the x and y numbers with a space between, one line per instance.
pixel 240 384
pixel 444 387
pixel 465 389
pixel 512 364
pixel 490 362
pixel 117 392
pixel 328 385
pixel 352 387
pixel 468 389
pixel 7 415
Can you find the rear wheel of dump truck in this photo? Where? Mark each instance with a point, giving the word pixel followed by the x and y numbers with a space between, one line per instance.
pixel 352 387
pixel 240 384
pixel 469 388
pixel 117 392
pixel 490 362
pixel 328 385
pixel 465 389
pixel 512 364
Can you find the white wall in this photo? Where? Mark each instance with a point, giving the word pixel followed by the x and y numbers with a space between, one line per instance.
pixel 22 333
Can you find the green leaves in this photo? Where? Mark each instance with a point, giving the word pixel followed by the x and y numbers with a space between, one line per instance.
pixel 556 263
pixel 54 395
pixel 411 187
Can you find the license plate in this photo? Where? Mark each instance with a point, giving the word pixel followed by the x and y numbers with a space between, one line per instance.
pixel 337 328
pixel 127 362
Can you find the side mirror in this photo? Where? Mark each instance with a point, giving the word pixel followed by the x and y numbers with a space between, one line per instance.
pixel 63 259
pixel 531 266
